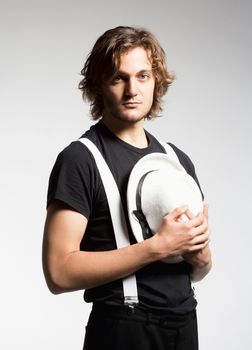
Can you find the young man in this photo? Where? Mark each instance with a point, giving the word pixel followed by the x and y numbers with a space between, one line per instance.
pixel 125 77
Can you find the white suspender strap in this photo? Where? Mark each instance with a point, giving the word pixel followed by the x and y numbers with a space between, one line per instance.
pixel 117 216
pixel 169 150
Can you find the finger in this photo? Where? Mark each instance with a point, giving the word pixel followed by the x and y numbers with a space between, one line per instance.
pixel 177 212
pixel 203 238
pixel 200 230
pixel 189 214
pixel 205 210
pixel 198 247
pixel 196 221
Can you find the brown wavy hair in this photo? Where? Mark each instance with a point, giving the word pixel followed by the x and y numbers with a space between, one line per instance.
pixel 104 60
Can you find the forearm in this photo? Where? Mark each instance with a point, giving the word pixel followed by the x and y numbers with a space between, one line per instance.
pixel 67 268
pixel 201 263
pixel 83 270
pixel 198 273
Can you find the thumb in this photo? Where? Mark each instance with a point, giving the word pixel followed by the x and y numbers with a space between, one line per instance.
pixel 177 212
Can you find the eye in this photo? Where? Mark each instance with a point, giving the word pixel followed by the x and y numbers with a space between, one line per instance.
pixel 116 79
pixel 144 76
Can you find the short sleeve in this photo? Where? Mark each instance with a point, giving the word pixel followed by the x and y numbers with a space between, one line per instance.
pixel 73 179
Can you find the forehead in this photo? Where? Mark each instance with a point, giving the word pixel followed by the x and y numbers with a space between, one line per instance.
pixel 134 60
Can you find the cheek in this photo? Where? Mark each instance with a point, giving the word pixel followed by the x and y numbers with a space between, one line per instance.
pixel 111 97
pixel 108 99
pixel 150 94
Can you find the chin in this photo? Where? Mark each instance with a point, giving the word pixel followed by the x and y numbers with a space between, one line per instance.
pixel 132 117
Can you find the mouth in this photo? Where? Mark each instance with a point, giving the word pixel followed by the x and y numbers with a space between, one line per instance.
pixel 131 104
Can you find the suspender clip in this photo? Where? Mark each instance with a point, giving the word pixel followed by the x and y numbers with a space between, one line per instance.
pixel 131 302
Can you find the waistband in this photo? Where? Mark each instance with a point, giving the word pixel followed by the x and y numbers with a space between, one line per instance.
pixel 137 314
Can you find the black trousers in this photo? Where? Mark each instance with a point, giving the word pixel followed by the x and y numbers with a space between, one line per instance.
pixel 118 328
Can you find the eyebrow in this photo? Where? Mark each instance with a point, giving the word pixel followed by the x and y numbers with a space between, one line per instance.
pixel 120 72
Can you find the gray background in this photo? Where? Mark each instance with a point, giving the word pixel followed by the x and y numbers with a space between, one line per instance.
pixel 207 114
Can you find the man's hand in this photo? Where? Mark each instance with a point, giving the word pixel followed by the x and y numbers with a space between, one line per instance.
pixel 200 260
pixel 177 237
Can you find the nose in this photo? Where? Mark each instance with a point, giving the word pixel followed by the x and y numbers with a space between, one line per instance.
pixel 131 88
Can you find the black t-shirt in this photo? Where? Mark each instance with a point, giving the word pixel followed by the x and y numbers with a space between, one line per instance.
pixel 76 181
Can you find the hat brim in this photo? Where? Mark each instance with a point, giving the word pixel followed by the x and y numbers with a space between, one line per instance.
pixel 183 188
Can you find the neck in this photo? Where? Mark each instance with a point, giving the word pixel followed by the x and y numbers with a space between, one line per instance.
pixel 132 133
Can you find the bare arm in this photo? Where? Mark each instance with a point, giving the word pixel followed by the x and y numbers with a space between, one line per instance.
pixel 66 268
pixel 201 264
pixel 200 260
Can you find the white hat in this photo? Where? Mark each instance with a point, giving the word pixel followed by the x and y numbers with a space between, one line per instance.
pixel 157 185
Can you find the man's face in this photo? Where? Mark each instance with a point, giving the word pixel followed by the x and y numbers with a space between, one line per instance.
pixel 128 94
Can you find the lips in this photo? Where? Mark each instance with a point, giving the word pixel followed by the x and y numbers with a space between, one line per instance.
pixel 131 104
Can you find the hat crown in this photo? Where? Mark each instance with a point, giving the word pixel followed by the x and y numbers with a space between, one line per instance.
pixel 159 184
pixel 164 190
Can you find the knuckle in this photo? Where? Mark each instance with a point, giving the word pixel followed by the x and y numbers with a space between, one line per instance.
pixel 177 211
pixel 187 225
pixel 166 218
pixel 191 234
